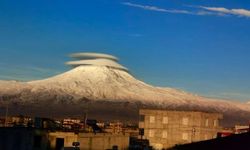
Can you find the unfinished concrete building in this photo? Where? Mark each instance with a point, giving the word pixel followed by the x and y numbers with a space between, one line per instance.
pixel 23 138
pixel 165 129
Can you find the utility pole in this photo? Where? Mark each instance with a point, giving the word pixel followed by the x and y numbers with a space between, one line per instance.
pixel 6 114
pixel 86 115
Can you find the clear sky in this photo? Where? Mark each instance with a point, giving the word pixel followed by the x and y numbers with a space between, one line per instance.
pixel 201 46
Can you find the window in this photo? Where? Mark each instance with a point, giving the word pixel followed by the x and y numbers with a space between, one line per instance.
pixel 152 119
pixel 157 146
pixel 165 120
pixel 206 123
pixel 37 141
pixel 184 136
pixel 215 123
pixel 185 121
pixel 151 133
pixel 205 137
pixel 59 143
pixel 141 131
pixel 142 118
pixel 164 134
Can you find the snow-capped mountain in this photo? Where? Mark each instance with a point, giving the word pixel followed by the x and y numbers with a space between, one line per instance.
pixel 107 93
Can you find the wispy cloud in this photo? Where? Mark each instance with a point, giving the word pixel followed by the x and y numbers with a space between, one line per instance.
pixel 198 10
pixel 24 72
pixel 154 8
pixel 135 35
pixel 222 10
pixel 229 95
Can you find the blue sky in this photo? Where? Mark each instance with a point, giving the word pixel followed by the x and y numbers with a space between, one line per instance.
pixel 201 46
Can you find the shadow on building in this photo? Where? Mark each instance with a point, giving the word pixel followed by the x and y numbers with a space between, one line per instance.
pixel 48 135
pixel 232 142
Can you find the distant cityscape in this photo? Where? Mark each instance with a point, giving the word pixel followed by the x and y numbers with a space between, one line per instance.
pixel 156 129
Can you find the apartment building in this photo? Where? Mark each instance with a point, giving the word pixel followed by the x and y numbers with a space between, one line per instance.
pixel 165 129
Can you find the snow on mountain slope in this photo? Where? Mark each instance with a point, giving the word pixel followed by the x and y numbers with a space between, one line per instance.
pixel 103 83
pixel 96 82
pixel 100 84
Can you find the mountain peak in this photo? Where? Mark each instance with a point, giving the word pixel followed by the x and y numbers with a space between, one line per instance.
pixel 108 87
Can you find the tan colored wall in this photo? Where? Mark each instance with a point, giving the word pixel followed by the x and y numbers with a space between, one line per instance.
pixel 91 141
pixel 196 129
pixel 69 138
pixel 102 141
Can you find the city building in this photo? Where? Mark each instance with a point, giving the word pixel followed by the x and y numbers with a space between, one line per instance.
pixel 48 134
pixel 103 141
pixel 241 129
pixel 23 138
pixel 226 132
pixel 231 142
pixel 2 122
pixel 70 123
pixel 19 120
pixel 29 138
pixel 165 129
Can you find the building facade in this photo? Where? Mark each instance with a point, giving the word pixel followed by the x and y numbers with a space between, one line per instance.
pixel 23 138
pixel 165 129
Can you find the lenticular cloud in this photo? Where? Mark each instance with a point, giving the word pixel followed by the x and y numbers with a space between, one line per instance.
pixel 95 59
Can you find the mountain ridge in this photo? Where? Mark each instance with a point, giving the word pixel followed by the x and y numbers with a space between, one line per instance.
pixel 101 84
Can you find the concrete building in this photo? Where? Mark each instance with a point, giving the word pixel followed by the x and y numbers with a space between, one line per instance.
pixel 70 123
pixel 11 121
pixel 23 138
pixel 241 129
pixel 58 139
pixel 232 142
pixel 88 141
pixel 103 141
pixel 165 129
